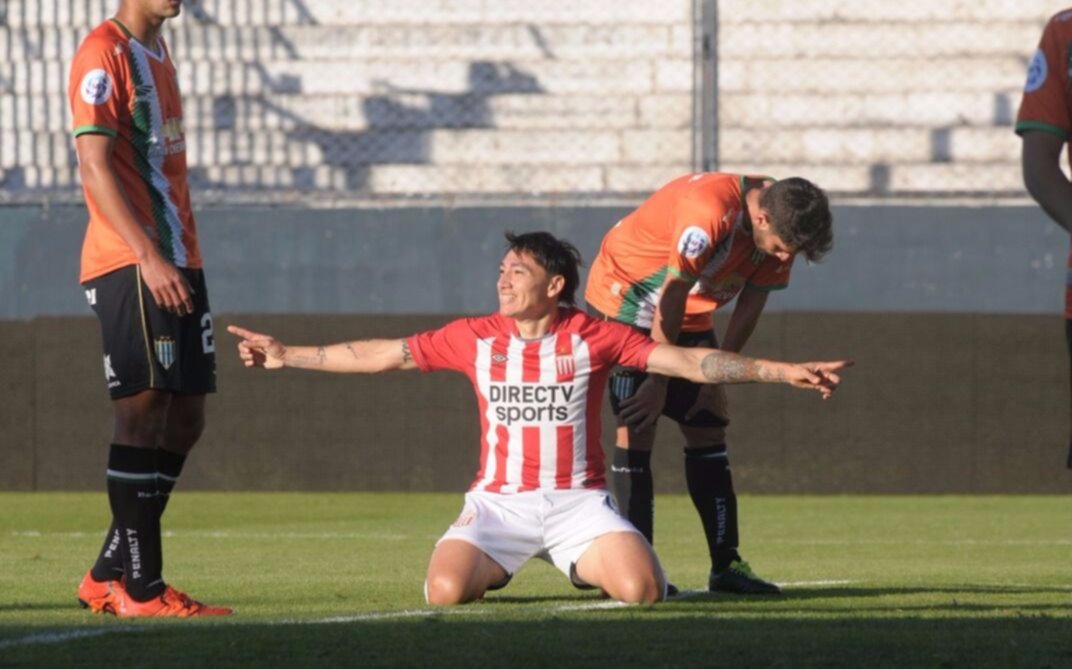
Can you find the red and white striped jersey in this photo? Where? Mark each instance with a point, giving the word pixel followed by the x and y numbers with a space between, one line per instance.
pixel 539 400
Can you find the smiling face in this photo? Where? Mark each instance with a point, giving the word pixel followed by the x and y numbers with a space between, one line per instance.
pixel 526 290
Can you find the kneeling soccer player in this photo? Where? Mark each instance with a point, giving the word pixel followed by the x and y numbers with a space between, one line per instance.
pixel 538 367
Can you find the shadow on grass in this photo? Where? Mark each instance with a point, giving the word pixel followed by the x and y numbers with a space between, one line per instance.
pixel 628 637
pixel 934 600
pixel 492 598
pixel 28 607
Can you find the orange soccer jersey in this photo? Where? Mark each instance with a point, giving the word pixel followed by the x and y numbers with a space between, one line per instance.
pixel 691 228
pixel 1047 101
pixel 121 88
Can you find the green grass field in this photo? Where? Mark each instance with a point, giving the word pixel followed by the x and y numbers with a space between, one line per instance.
pixel 335 580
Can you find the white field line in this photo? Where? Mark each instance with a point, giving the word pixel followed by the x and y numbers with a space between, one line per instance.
pixel 919 542
pixel 689 594
pixel 224 534
pixel 228 534
pixel 62 636
pixel 71 635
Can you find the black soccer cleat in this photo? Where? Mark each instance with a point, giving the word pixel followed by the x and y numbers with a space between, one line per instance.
pixel 740 579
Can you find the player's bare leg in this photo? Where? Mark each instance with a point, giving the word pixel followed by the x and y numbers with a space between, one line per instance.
pixel 624 566
pixel 185 423
pixel 141 419
pixel 459 572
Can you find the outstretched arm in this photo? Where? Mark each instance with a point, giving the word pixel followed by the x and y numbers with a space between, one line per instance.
pixel 368 356
pixel 708 365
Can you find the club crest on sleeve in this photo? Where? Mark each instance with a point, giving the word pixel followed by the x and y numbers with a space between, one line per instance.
pixel 96 87
pixel 1036 72
pixel 693 242
pixel 165 351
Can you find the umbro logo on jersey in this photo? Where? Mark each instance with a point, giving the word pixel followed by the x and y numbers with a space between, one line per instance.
pixel 109 373
pixel 498 357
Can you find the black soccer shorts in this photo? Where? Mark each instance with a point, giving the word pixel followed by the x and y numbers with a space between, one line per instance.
pixel 146 347
pixel 681 394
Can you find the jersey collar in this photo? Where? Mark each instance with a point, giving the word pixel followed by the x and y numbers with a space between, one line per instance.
pixel 159 57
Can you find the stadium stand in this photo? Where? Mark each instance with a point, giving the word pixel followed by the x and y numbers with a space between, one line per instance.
pixel 877 98
pixel 534 97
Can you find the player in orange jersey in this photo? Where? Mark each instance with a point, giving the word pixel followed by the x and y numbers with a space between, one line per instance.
pixel 1045 125
pixel 692 247
pixel 141 270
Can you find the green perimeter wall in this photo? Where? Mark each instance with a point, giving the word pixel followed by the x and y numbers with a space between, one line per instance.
pixel 961 384
pixel 938 403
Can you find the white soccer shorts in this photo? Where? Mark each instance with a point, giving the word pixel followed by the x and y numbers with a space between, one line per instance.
pixel 556 526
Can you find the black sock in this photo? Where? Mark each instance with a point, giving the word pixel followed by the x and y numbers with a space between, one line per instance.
pixel 633 488
pixel 109 565
pixel 168 467
pixel 707 472
pixel 136 510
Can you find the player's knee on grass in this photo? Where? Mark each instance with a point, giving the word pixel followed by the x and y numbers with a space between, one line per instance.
pixel 445 589
pixel 624 565
pixel 636 588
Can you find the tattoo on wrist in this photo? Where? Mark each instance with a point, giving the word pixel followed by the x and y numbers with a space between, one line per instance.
pixel 306 361
pixel 723 367
pixel 407 355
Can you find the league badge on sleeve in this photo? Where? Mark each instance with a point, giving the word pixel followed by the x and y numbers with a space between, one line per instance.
pixel 693 242
pixel 96 87
pixel 1036 72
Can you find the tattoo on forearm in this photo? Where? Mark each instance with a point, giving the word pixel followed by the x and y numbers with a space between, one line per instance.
pixel 350 348
pixel 407 355
pixel 723 367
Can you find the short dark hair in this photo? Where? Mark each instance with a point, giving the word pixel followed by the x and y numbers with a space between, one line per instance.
pixel 556 256
pixel 800 214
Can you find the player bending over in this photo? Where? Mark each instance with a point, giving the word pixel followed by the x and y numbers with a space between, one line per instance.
pixel 538 367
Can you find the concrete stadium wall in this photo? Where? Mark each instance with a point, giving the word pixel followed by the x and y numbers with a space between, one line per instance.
pixel 951 313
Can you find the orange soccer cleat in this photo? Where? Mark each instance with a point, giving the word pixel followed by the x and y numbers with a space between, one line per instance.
pixel 100 596
pixel 170 603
